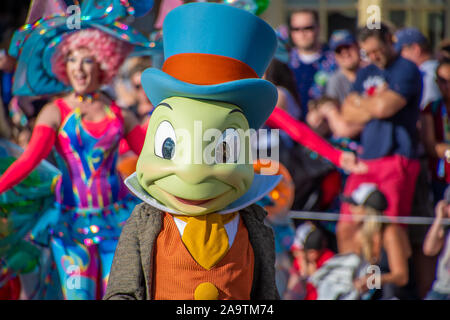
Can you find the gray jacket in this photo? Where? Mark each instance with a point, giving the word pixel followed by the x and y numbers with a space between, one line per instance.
pixel 132 266
pixel 334 280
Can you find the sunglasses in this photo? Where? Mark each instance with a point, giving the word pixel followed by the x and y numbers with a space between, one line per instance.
pixel 307 28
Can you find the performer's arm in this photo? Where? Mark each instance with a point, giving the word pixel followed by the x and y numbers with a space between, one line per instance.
pixel 134 132
pixel 39 147
pixel 135 139
pixel 302 134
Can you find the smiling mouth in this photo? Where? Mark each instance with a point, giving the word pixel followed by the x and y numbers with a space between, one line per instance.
pixel 192 202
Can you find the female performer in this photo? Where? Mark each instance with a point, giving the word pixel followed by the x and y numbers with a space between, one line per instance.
pixel 85 128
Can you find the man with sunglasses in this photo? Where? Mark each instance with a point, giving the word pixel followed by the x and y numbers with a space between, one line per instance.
pixel 311 62
pixel 385 100
pixel 346 53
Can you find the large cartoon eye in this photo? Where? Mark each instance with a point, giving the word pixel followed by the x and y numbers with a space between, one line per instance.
pixel 228 147
pixel 165 140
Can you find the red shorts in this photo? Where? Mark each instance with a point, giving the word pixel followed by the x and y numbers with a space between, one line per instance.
pixel 395 176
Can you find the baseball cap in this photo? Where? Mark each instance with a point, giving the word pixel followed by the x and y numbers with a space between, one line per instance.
pixel 408 36
pixel 367 194
pixel 308 236
pixel 341 38
pixel 315 239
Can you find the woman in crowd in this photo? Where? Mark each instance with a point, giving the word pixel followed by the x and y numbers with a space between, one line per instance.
pixel 436 132
pixel 383 244
pixel 437 241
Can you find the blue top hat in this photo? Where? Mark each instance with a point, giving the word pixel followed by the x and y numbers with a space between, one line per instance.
pixel 216 52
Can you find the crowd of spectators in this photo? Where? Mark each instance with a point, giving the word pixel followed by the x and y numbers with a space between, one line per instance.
pixel 381 94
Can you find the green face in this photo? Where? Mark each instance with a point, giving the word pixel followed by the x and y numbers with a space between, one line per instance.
pixel 196 156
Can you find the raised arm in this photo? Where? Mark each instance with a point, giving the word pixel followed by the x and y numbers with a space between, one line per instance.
pixel 338 125
pixel 434 240
pixel 302 134
pixel 353 112
pixel 39 147
pixel 384 105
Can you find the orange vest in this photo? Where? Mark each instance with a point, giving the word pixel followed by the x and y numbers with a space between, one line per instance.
pixel 176 274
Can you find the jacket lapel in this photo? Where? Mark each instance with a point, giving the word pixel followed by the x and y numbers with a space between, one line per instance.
pixel 148 228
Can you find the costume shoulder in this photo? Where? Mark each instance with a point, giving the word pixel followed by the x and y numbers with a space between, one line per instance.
pixel 127 279
pixel 144 210
pixel 262 240
pixel 255 211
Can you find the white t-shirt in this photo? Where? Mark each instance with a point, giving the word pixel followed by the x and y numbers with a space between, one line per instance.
pixel 309 58
pixel 442 282
pixel 430 89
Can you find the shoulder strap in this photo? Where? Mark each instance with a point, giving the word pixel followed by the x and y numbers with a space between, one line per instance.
pixel 117 111
pixel 64 109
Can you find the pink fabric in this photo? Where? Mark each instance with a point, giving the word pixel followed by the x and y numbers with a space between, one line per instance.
pixel 136 138
pixel 395 176
pixel 36 151
pixel 164 9
pixel 44 8
pixel 302 134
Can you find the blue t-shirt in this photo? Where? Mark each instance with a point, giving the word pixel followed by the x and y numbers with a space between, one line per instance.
pixel 397 134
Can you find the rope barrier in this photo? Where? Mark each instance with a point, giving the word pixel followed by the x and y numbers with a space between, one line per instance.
pixel 327 216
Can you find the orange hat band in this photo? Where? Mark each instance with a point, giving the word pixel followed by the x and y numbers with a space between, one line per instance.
pixel 206 69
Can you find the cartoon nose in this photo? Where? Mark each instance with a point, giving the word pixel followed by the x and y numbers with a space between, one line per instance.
pixel 194 173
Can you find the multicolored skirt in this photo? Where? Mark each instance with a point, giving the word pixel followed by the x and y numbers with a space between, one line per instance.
pixel 21 208
pixel 31 222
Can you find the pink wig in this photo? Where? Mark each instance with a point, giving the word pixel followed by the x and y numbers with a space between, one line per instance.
pixel 108 51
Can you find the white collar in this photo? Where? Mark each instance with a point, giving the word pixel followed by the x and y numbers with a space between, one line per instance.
pixel 261 186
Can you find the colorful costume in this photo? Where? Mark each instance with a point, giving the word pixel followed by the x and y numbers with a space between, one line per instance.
pixel 199 220
pixel 92 202
pixel 20 210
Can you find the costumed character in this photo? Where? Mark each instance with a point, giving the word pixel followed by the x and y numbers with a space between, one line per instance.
pixel 84 128
pixel 199 234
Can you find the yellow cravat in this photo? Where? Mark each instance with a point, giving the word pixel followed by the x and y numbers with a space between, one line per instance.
pixel 205 237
